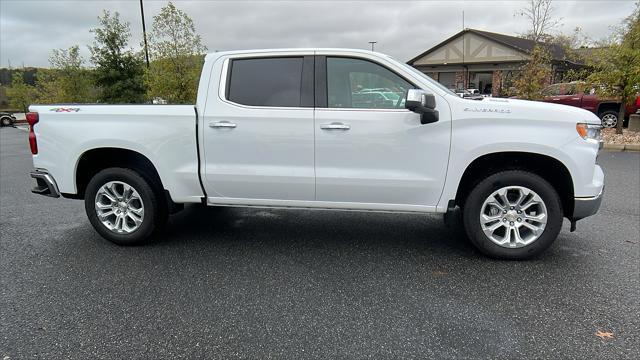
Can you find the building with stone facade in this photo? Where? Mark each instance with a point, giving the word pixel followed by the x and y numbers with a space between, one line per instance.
pixel 486 61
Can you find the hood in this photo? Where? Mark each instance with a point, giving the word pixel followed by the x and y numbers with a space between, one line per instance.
pixel 532 110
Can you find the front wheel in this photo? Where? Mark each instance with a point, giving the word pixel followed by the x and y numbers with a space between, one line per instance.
pixel 513 215
pixel 123 206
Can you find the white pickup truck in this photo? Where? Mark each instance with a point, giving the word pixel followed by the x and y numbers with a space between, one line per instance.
pixel 325 129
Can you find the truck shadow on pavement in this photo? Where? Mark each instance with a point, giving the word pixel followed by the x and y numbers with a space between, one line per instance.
pixel 284 229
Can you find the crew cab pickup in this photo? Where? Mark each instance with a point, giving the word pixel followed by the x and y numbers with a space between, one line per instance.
pixel 299 129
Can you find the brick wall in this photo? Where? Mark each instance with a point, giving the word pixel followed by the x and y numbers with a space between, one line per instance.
pixel 496 83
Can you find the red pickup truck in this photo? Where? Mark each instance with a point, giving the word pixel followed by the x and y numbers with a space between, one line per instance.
pixel 606 109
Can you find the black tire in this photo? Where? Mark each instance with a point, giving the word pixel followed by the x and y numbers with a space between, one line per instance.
pixel 155 208
pixel 6 121
pixel 609 114
pixel 473 206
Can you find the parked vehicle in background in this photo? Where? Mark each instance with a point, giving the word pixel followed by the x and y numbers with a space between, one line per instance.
pixel 7 119
pixel 376 98
pixel 476 92
pixel 286 129
pixel 466 94
pixel 579 95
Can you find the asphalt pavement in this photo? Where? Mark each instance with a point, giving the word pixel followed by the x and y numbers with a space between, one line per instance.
pixel 253 283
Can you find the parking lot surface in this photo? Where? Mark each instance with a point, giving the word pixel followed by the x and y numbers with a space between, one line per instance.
pixel 255 283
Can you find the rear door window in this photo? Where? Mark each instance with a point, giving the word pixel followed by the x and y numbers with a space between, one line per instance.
pixel 266 81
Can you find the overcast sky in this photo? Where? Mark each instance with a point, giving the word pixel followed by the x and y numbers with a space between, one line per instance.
pixel 403 29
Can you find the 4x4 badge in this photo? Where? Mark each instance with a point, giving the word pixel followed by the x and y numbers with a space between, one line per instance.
pixel 65 109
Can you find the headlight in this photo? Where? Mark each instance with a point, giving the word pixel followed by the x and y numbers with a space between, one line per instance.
pixel 588 131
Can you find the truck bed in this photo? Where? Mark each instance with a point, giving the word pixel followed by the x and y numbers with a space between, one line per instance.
pixel 165 134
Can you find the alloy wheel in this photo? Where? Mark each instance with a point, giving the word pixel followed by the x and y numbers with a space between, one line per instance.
pixel 513 216
pixel 119 207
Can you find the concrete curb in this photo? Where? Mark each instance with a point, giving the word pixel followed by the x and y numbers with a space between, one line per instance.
pixel 622 147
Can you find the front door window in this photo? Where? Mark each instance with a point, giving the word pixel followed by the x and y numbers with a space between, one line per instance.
pixel 356 83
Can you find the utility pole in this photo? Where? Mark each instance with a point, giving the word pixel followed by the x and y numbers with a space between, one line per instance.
pixel 144 35
pixel 372 43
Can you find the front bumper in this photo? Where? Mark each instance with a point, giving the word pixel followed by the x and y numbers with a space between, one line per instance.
pixel 586 206
pixel 45 184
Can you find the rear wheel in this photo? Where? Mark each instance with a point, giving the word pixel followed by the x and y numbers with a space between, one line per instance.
pixel 513 215
pixel 609 118
pixel 124 207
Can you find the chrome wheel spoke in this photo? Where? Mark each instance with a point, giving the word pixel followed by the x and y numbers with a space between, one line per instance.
pixel 127 193
pixel 118 224
pixel 518 237
pixel 494 227
pixel 530 203
pixel 496 205
pixel 486 219
pixel 105 214
pixel 506 239
pixel 502 195
pixel 541 218
pixel 521 197
pixel 137 212
pixel 106 192
pixel 113 191
pixel 102 206
pixel 534 229
pixel 136 218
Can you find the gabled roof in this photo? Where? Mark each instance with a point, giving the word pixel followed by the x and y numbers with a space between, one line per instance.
pixel 514 42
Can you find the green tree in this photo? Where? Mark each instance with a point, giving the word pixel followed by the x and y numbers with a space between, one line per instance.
pixel 616 67
pixel 176 54
pixel 534 75
pixel 118 71
pixel 21 94
pixel 68 81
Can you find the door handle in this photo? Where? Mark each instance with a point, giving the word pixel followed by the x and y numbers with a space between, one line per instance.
pixel 335 126
pixel 222 124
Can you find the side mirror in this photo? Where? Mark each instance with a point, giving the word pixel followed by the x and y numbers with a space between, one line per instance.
pixel 419 101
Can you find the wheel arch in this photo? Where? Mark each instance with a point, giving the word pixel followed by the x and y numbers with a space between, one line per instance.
pixel 608 106
pixel 92 161
pixel 547 167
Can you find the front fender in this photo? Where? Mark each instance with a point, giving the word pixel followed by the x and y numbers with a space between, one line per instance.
pixel 473 138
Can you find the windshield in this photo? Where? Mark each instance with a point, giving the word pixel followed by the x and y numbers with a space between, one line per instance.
pixel 428 78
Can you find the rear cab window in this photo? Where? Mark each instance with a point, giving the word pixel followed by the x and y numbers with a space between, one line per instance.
pixel 271 81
